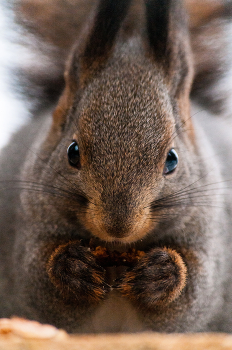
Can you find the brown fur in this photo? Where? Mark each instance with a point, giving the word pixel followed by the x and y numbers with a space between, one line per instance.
pixel 207 22
pixel 125 106
pixel 78 272
pixel 166 271
pixel 201 13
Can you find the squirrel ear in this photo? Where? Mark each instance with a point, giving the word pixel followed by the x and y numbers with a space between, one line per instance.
pixel 99 39
pixel 167 31
pixel 89 56
pixel 109 17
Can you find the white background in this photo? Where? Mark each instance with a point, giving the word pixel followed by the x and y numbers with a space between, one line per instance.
pixel 13 112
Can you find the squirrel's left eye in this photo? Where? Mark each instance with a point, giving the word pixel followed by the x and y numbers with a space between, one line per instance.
pixel 74 154
pixel 171 162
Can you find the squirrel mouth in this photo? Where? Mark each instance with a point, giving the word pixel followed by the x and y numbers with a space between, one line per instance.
pixel 115 259
pixel 108 254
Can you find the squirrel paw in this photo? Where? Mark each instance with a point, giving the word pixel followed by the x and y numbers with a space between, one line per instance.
pixel 157 280
pixel 73 271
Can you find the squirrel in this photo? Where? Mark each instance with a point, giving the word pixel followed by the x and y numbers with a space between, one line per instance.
pixel 115 201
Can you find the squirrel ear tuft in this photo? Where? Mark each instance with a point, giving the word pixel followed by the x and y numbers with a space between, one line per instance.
pixel 99 39
pixel 168 37
pixel 109 17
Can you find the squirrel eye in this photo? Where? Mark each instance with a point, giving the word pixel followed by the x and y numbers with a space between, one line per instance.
pixel 74 154
pixel 171 162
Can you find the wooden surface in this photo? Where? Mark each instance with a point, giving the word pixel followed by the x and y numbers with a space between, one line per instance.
pixel 17 334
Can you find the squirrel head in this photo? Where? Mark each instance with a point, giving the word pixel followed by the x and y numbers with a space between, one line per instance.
pixel 126 95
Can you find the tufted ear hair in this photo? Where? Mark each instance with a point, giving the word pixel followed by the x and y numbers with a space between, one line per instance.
pixel 107 22
pixel 91 53
pixel 168 37
pixel 95 49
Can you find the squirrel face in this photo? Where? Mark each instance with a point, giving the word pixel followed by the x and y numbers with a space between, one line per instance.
pixel 124 127
pixel 122 156
pixel 121 106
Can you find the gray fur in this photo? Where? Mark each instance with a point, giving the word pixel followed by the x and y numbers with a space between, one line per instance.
pixel 126 116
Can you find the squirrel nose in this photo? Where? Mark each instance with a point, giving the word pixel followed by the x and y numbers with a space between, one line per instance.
pixel 123 223
pixel 118 216
pixel 117 227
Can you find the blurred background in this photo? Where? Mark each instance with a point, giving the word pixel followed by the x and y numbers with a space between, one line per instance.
pixel 13 111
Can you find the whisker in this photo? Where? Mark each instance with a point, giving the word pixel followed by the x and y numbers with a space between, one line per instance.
pixel 67 181
pixel 63 179
pixel 188 195
pixel 33 186
pixel 191 189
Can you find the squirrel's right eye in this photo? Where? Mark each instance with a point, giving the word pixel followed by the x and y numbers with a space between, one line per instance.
pixel 171 162
pixel 74 154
